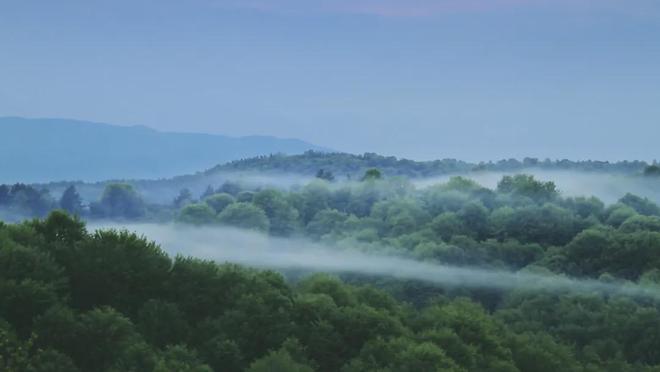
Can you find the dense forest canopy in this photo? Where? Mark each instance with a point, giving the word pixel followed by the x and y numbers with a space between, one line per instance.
pixel 609 180
pixel 355 165
pixel 110 300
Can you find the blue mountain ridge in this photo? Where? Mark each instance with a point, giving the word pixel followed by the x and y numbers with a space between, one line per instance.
pixel 45 150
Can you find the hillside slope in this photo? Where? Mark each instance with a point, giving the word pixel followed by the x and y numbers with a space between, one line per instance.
pixel 42 150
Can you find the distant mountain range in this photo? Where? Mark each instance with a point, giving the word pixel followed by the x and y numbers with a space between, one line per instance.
pixel 43 150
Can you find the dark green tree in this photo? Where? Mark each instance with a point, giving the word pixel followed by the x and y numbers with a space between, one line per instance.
pixel 325 175
pixel 219 201
pixel 372 174
pixel 119 200
pixel 652 171
pixel 246 216
pixel 197 214
pixel 71 201
pixel 527 186
pixel 283 217
pixel 278 361
pixel 641 205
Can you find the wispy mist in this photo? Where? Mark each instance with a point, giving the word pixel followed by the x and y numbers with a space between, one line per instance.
pixel 165 190
pixel 258 250
pixel 606 186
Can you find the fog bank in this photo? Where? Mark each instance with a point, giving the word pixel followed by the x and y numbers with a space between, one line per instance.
pixel 608 187
pixel 257 250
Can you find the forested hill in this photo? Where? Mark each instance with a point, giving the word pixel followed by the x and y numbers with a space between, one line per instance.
pixel 77 299
pixel 43 150
pixel 288 170
pixel 342 164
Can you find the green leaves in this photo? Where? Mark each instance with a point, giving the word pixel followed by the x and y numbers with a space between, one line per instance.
pixel 197 214
pixel 113 301
pixel 119 200
pixel 245 216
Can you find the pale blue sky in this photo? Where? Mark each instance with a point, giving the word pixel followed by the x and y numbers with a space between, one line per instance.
pixel 473 79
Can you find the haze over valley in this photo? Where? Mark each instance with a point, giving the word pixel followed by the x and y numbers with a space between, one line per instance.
pixel 330 186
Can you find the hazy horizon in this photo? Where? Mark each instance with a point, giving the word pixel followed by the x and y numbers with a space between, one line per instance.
pixel 651 159
pixel 472 80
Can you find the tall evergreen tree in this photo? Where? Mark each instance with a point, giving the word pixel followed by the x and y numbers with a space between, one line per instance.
pixel 71 200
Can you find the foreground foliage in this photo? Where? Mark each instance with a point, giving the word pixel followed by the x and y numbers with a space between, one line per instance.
pixel 73 300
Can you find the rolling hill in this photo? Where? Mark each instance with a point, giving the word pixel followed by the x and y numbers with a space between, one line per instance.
pixel 43 150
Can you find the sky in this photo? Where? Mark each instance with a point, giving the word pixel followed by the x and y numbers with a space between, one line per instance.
pixel 423 79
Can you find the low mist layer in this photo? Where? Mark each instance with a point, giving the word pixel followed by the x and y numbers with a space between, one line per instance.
pixel 608 187
pixel 257 250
